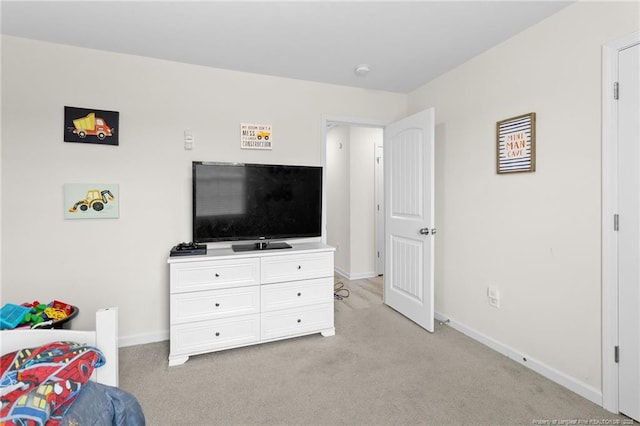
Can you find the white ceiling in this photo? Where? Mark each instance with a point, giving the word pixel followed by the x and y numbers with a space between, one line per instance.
pixel 407 44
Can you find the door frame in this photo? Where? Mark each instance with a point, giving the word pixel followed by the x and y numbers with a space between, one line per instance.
pixel 379 206
pixel 609 208
pixel 325 119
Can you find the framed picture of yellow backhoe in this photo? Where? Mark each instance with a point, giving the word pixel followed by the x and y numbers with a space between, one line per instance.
pixel 91 201
pixel 95 126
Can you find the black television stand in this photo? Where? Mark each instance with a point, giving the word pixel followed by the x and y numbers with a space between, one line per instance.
pixel 262 245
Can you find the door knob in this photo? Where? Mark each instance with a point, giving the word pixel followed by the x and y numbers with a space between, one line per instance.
pixel 424 231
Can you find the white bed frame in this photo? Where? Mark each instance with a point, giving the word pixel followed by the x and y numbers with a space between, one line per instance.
pixel 104 337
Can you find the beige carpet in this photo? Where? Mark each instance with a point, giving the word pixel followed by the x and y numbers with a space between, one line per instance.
pixel 379 369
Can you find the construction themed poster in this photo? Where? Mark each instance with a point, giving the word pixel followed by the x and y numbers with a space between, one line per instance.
pixel 91 201
pixel 96 126
pixel 255 136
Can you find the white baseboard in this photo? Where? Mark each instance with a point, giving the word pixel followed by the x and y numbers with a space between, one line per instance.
pixel 340 272
pixel 357 276
pixel 363 275
pixel 587 391
pixel 141 339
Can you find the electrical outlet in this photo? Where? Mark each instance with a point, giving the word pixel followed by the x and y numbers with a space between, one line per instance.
pixel 494 297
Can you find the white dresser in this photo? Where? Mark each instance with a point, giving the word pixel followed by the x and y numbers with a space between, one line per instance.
pixel 225 299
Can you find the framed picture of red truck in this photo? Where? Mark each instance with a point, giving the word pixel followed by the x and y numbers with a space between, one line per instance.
pixel 84 125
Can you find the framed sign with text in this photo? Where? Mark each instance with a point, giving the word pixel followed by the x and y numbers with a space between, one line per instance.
pixel 256 136
pixel 516 144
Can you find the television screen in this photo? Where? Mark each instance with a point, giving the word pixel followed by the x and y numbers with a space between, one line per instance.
pixel 234 202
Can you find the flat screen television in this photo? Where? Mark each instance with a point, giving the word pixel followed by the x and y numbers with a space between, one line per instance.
pixel 259 202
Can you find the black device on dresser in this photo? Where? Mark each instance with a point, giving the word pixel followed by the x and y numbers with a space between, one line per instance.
pixel 188 249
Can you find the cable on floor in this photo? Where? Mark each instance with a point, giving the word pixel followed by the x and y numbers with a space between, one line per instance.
pixel 339 292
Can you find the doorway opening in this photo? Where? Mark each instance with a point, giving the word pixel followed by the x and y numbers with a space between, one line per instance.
pixel 408 214
pixel 354 195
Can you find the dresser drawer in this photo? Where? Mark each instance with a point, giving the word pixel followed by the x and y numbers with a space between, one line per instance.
pixel 296 267
pixel 205 336
pixel 214 274
pixel 296 321
pixel 212 304
pixel 296 293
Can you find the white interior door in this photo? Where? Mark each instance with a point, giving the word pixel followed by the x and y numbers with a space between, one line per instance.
pixel 409 214
pixel 629 232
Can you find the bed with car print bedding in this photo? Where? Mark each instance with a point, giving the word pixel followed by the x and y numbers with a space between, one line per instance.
pixel 65 377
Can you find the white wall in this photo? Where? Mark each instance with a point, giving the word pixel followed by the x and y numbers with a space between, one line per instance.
pixel 534 236
pixel 122 262
pixel 338 196
pixel 362 145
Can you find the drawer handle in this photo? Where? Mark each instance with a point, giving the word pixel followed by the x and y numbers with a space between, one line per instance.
pixel 299 294
pixel 217 333
pixel 217 305
pixel 299 320
pixel 217 275
pixel 299 267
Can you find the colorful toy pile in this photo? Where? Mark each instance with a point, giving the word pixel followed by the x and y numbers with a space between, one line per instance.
pixel 33 314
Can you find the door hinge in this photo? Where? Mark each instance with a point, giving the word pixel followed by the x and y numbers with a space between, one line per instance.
pixel 616 354
pixel 616 222
pixel 616 90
